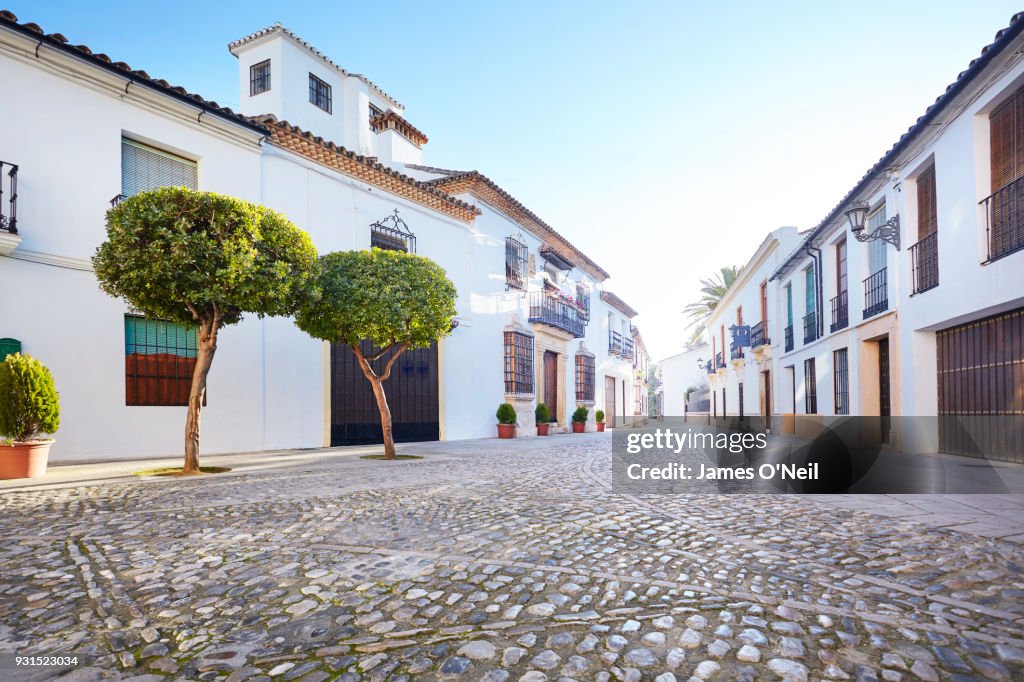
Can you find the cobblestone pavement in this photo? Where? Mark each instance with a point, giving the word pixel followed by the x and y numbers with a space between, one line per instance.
pixel 493 560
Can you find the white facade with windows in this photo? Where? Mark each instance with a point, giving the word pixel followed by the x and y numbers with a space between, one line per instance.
pixel 101 130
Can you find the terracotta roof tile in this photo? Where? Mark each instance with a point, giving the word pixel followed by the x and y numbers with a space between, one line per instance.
pixel 60 42
pixel 617 303
pixel 487 190
pixel 390 120
pixel 278 28
pixel 286 136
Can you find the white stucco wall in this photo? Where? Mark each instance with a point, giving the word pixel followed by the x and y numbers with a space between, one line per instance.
pixel 679 372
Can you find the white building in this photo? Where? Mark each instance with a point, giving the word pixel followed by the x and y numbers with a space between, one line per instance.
pixel 678 374
pixel 919 312
pixel 334 153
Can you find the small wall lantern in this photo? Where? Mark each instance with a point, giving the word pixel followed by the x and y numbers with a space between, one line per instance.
pixel 889 232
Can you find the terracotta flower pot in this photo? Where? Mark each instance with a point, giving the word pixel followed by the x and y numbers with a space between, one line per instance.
pixel 578 427
pixel 506 430
pixel 24 460
pixel 542 429
pixel 600 426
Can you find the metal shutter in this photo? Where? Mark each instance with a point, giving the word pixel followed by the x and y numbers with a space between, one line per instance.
pixel 144 168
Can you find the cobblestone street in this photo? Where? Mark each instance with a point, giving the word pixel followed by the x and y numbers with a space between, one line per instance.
pixel 493 560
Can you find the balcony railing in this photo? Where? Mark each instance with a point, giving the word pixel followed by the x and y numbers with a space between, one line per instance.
pixel 840 312
pixel 876 293
pixel 810 327
pixel 620 346
pixel 789 338
pixel 925 260
pixel 9 206
pixel 555 312
pixel 118 198
pixel 735 352
pixel 759 335
pixel 1004 220
pixel 708 367
pixel 719 360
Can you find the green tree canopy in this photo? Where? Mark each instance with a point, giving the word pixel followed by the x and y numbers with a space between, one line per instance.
pixel 205 259
pixel 394 300
pixel 28 399
pixel 712 290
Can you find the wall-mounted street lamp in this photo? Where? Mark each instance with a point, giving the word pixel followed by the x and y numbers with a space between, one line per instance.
pixel 889 232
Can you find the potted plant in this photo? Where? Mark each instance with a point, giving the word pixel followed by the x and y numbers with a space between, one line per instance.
pixel 579 419
pixel 599 418
pixel 506 421
pixel 28 409
pixel 543 415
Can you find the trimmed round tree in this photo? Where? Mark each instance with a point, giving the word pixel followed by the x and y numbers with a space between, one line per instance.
pixel 29 406
pixel 203 259
pixel 394 300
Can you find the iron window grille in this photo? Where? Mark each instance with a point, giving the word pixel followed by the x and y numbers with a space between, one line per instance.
pixel 392 234
pixel 735 352
pixel 840 312
pixel 583 300
pixel 789 338
pixel 9 217
pixel 516 260
pixel 719 360
pixel 160 358
pixel 518 363
pixel 759 335
pixel 319 93
pixel 259 77
pixel 925 263
pixel 585 371
pixel 555 311
pixel 876 293
pixel 841 370
pixel 810 387
pixel 810 327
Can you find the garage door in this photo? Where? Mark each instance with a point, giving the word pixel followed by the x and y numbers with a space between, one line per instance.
pixel 981 388
pixel 411 390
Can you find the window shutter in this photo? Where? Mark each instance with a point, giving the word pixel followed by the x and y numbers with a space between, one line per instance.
pixel 1006 134
pixel 927 218
pixel 144 168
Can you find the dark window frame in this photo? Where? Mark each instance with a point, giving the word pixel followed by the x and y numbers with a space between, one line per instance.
pixel 519 359
pixel 320 93
pixel 161 375
pixel 841 380
pixel 259 78
pixel 810 387
pixel 517 256
pixel 586 372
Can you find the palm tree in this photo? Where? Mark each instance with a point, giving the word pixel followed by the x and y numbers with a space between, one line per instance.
pixel 712 290
pixel 696 337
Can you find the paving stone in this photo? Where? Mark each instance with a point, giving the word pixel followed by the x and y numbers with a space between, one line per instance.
pixel 787 669
pixel 478 650
pixel 748 654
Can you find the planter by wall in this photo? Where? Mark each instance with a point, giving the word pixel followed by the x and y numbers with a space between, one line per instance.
pixel 506 430
pixel 24 460
pixel 578 427
pixel 542 429
pixel 600 426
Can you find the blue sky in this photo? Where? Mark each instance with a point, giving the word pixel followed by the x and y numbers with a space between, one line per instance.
pixel 663 138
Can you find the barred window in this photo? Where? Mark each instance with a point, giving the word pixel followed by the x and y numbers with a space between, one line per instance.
pixel 810 387
pixel 160 357
pixel 841 369
pixel 259 77
pixel 585 371
pixel 319 93
pixel 516 256
pixel 583 300
pixel 518 363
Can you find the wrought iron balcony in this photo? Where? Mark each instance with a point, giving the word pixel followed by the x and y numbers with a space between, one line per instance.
pixel 759 335
pixel 708 367
pixel 735 352
pixel 719 360
pixel 789 338
pixel 1004 220
pixel 924 257
pixel 9 207
pixel 840 312
pixel 876 293
pixel 554 311
pixel 620 346
pixel 810 326
pixel 118 198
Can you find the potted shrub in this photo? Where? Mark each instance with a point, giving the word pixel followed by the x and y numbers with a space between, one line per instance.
pixel 506 421
pixel 579 419
pixel 599 417
pixel 28 410
pixel 543 415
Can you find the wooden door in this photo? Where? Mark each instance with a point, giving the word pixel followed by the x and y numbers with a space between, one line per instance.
pixel 411 391
pixel 551 382
pixel 609 401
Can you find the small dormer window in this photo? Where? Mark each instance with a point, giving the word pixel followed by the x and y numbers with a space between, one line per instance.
pixel 319 93
pixel 259 77
pixel 375 112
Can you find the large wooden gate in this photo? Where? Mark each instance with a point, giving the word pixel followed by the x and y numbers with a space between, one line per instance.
pixel 412 393
pixel 981 388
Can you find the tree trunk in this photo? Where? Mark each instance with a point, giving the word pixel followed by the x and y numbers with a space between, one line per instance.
pixel 377 383
pixel 197 394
